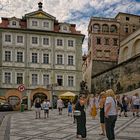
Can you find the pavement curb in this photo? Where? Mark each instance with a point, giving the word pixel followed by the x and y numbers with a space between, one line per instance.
pixel 3 128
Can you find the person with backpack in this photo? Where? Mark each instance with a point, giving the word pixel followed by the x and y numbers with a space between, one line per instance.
pixel 46 105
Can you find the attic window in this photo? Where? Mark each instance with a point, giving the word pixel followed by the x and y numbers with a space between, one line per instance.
pixel 14 23
pixel 46 24
pixel 34 23
pixel 65 28
pixel 127 18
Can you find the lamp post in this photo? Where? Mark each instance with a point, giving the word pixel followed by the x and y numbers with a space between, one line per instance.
pixel 51 87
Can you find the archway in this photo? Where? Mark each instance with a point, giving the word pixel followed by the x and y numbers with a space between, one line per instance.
pixel 40 95
pixel 125 54
pixel 136 48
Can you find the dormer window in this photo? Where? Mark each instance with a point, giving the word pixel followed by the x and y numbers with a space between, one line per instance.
pixel 65 28
pixel 14 23
pixel 34 23
pixel 46 24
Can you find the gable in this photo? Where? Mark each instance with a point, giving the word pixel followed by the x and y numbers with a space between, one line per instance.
pixel 40 14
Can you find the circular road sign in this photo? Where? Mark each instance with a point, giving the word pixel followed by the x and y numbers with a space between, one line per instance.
pixel 21 88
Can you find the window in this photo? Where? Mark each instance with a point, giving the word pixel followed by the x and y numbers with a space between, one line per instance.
pixel 34 79
pixel 105 28
pixel 34 40
pixel 70 81
pixel 96 28
pixel 34 57
pixel 46 41
pixel 70 43
pixel 127 18
pixel 70 60
pixel 45 79
pixel 46 58
pixel 65 28
pixel 99 53
pixel 19 78
pixel 14 23
pixel 7 77
pixel 59 42
pixel 115 41
pixel 106 41
pixel 7 38
pixel 113 29
pixel 59 59
pixel 34 23
pixel 19 39
pixel 7 56
pixel 46 24
pixel 126 29
pixel 98 41
pixel 19 56
pixel 60 80
pixel 107 53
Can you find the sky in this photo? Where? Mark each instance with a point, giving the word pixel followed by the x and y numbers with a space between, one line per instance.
pixel 76 12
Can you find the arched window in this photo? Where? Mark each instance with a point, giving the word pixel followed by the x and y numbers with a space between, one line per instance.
pixel 136 47
pixel 14 100
pixel 125 54
pixel 96 28
pixel 113 29
pixel 105 28
pixel 14 23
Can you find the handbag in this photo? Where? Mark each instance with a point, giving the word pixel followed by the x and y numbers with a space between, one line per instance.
pixel 77 113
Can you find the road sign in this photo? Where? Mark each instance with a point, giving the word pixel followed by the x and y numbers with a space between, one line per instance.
pixel 21 88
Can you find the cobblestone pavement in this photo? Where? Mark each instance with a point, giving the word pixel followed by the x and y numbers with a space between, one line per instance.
pixel 24 126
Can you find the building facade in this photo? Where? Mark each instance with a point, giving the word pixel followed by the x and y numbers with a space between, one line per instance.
pixel 104 39
pixel 40 53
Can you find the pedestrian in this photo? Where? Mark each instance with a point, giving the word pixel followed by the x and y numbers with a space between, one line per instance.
pixel 46 105
pixel 60 106
pixel 136 104
pixel 73 107
pixel 119 105
pixel 69 108
pixel 102 99
pixel 124 104
pixel 37 108
pixel 110 114
pixel 81 117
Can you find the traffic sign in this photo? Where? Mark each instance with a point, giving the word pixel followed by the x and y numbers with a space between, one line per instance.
pixel 21 88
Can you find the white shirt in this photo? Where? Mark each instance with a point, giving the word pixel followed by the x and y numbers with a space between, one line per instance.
pixel 46 105
pixel 136 100
pixel 59 103
pixel 113 110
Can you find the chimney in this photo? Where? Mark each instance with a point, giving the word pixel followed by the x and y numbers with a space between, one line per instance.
pixel 40 6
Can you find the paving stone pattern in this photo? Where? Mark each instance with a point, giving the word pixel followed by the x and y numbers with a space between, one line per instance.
pixel 24 126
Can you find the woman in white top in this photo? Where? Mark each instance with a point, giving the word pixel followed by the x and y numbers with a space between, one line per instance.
pixel 110 114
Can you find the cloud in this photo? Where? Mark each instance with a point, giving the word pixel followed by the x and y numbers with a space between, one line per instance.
pixel 78 12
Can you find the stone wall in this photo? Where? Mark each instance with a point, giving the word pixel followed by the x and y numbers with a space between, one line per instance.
pixel 122 78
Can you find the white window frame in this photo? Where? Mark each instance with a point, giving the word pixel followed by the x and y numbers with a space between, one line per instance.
pixel 73 59
pixel 31 40
pixel 62 42
pixel 37 57
pixel 62 79
pixel 49 24
pixel 17 56
pixel 10 56
pixel 43 79
pixel 4 37
pixel 34 20
pixel 48 58
pixel 73 80
pixel 43 41
pixel 19 43
pixel 10 77
pixel 32 79
pixel 62 59
pixel 22 77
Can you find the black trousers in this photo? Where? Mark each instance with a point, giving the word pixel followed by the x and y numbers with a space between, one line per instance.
pixel 109 126
pixel 81 127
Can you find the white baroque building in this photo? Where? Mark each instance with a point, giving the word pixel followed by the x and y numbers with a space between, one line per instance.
pixel 40 53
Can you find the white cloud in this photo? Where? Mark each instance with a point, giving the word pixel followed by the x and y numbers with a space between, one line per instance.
pixel 62 10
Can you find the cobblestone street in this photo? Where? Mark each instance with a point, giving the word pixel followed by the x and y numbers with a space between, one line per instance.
pixel 24 126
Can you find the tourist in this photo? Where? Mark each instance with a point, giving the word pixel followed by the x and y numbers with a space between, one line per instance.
pixel 69 108
pixel 101 106
pixel 110 114
pixel 73 107
pixel 136 104
pixel 45 106
pixel 37 107
pixel 81 117
pixel 60 106
pixel 124 104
